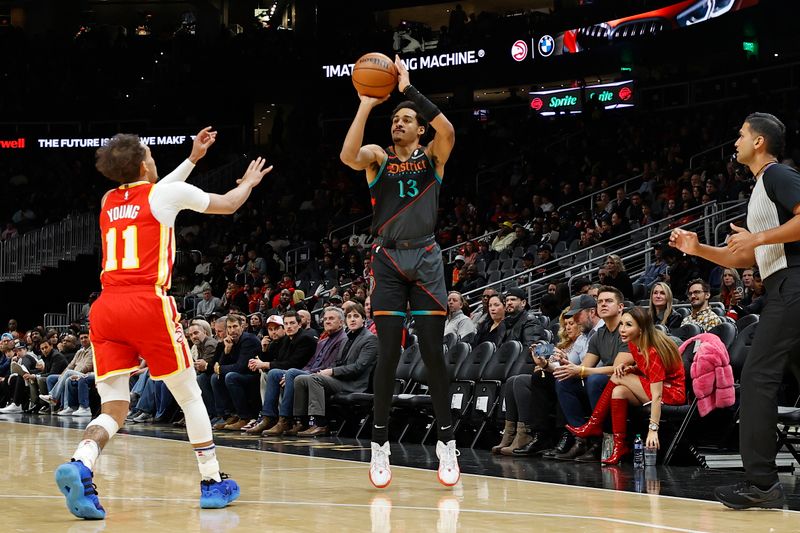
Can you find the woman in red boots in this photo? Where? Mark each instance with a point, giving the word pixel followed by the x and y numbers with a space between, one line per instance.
pixel 656 376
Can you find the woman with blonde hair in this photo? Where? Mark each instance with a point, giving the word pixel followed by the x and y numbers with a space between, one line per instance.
pixel 732 290
pixel 657 376
pixel 617 277
pixel 661 310
pixel 530 399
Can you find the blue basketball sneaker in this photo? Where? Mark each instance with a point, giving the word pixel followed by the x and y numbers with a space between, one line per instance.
pixel 218 494
pixel 74 480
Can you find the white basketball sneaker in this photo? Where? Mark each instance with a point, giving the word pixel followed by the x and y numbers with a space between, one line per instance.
pixel 379 472
pixel 449 473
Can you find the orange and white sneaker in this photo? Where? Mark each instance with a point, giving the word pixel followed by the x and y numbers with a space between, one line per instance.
pixel 449 472
pixel 380 475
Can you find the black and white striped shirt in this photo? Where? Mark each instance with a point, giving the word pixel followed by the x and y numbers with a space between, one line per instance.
pixel 772 203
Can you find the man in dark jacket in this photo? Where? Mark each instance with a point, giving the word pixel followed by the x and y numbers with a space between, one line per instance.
pixel 22 371
pixel 235 386
pixel 521 325
pixel 350 373
pixel 294 350
pixel 53 363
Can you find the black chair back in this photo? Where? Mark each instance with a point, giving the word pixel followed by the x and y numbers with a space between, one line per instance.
pixel 472 367
pixel 726 333
pixel 740 348
pixel 687 331
pixel 503 361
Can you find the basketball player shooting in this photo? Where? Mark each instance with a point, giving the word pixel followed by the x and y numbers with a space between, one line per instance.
pixel 404 182
pixel 137 223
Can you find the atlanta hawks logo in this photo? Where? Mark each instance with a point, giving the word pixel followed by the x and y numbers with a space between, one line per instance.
pixel 179 337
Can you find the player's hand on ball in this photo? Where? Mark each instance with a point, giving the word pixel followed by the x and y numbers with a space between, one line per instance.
pixel 255 172
pixel 202 142
pixel 403 80
pixel 685 241
pixel 371 101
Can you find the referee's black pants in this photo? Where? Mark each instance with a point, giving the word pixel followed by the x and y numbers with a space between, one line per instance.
pixel 776 340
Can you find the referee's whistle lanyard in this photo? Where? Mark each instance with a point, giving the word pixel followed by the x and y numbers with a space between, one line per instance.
pixel 764 168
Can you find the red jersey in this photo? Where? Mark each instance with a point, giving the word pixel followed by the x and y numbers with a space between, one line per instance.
pixel 137 248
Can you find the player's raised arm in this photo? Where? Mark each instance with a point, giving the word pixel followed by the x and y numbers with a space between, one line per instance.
pixel 202 142
pixel 228 203
pixel 353 154
pixel 439 149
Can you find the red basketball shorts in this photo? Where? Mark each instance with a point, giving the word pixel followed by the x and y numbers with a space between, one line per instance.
pixel 126 323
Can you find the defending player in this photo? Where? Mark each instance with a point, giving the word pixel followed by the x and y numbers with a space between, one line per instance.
pixel 404 182
pixel 137 222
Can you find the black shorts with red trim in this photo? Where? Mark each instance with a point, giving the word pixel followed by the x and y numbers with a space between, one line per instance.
pixel 408 276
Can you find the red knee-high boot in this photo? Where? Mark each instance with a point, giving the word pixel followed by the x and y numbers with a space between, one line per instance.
pixel 619 425
pixel 594 427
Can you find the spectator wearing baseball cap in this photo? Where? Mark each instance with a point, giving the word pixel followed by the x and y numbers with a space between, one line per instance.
pixel 520 324
pixel 457 266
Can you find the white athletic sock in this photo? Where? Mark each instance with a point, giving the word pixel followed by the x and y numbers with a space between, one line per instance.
pixel 207 462
pixel 87 453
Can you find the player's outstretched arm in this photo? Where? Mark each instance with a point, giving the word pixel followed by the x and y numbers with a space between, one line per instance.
pixel 228 203
pixel 353 154
pixel 439 149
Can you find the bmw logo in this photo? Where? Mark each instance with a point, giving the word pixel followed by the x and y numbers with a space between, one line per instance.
pixel 546 45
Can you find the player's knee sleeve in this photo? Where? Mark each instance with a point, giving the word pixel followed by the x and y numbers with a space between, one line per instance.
pixel 187 394
pixel 114 389
pixel 183 386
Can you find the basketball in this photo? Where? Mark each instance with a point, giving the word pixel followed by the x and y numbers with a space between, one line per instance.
pixel 375 75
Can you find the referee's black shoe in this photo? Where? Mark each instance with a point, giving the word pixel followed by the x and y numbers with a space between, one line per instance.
pixel 745 495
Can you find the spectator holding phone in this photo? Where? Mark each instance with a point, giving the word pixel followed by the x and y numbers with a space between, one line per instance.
pixel 732 290
pixel 530 399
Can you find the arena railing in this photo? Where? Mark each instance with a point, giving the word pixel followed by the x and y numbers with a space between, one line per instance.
pixel 591 196
pixel 45 247
pixel 655 231
pixel 720 147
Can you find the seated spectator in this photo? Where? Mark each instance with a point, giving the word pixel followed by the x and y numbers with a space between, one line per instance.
pixel 350 373
pixel 655 375
pixel 657 269
pixel 193 296
pixel 758 298
pixel 78 388
pixel 545 262
pixel 53 364
pixel 503 239
pixel 699 293
pixel 530 399
pixel 469 280
pixel 732 290
pixel 6 354
pixel 68 345
pixel 617 277
pixel 493 327
pixel 23 371
pixel 661 306
pixel 154 403
pixel 235 386
pixel 520 324
pixel 208 305
pixel 256 325
pixel 578 385
pixel 294 350
pixel 481 314
pixel 324 357
pixel 457 322
pixel 81 365
pixel 204 347
pixel 235 298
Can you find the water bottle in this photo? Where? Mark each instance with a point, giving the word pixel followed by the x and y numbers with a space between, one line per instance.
pixel 638 452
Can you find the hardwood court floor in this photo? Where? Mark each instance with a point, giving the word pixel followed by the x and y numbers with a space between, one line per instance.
pixel 150 483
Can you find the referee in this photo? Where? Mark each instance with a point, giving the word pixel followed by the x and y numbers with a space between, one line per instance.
pixel 771 241
pixel 404 182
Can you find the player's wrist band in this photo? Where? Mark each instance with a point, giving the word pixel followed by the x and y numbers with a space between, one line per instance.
pixel 427 109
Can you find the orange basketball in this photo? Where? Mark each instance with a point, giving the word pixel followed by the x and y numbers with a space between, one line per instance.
pixel 374 75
